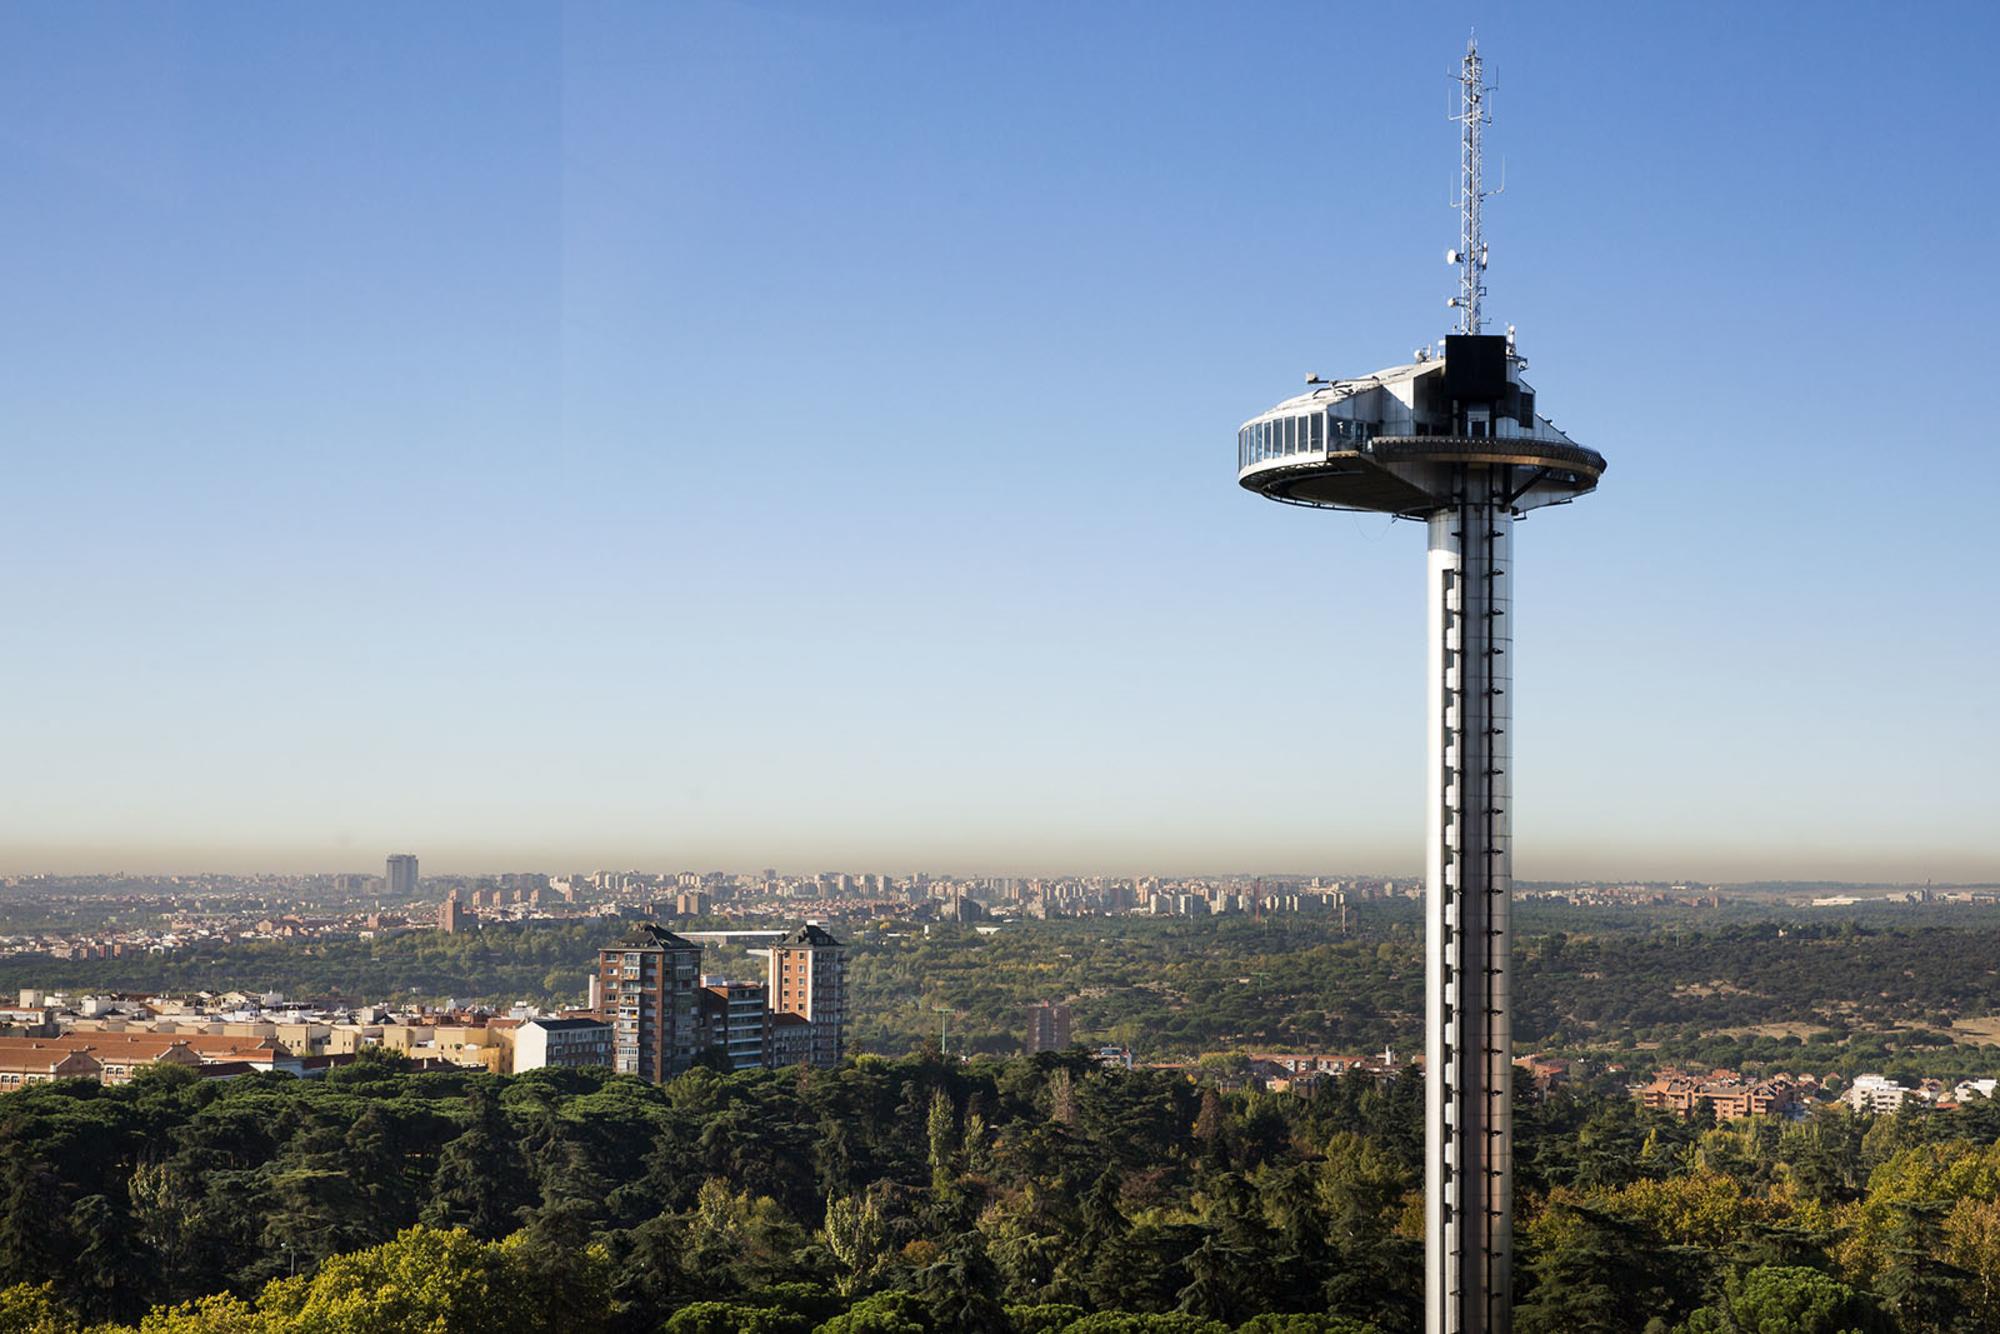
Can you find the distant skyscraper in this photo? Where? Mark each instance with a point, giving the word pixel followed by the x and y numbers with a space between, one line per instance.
pixel 402 874
pixel 1048 1028
pixel 648 978
pixel 452 915
pixel 809 979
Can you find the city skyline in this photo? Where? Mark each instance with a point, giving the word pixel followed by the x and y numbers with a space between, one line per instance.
pixel 737 437
pixel 664 876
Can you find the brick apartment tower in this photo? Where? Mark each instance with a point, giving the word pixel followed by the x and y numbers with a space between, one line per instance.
pixel 648 979
pixel 809 979
pixel 1048 1028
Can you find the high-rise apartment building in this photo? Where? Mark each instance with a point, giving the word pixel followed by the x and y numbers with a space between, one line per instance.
pixel 1048 1028
pixel 788 1041
pixel 452 915
pixel 402 874
pixel 809 979
pixel 648 978
pixel 735 1017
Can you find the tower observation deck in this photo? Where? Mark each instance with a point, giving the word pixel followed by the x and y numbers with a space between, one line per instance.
pixel 1453 439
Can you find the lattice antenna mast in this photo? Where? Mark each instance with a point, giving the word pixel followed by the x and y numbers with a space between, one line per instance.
pixel 1470 257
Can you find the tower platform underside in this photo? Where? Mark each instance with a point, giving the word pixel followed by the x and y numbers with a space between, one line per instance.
pixel 1414 475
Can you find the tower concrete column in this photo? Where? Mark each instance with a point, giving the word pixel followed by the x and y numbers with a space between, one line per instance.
pixel 1468 1048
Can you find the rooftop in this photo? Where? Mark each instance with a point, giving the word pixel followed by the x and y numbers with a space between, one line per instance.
pixel 652 936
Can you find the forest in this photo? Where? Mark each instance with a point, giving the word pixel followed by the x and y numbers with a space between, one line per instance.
pixel 1020 1196
pixel 1899 993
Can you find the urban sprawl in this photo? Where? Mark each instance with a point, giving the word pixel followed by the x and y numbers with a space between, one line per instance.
pixel 651 1009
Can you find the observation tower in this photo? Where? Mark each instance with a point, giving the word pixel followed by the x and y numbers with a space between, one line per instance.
pixel 1451 438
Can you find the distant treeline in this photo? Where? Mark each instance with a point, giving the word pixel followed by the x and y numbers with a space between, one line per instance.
pixel 501 963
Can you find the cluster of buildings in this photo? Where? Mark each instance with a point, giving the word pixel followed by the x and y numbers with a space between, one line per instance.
pixel 1919 897
pixel 1300 1072
pixel 119 915
pixel 109 1037
pixel 1627 896
pixel 113 1057
pixel 652 1013
pixel 1880 1093
pixel 919 896
pixel 1730 1095
pixel 157 915
pixel 661 1011
pixel 1157 897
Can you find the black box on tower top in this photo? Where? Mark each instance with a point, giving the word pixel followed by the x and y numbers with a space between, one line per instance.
pixel 1475 368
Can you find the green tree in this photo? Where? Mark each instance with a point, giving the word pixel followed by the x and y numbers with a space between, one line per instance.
pixel 739 1241
pixel 444 1281
pixel 1043 1317
pixel 1594 1270
pixel 1030 1247
pixel 961 1290
pixel 479 1178
pixel 1923 1289
pixel 884 1313
pixel 31 1210
pixel 1972 1242
pixel 26 1309
pixel 734 1318
pixel 1306 1324
pixel 941 1129
pixel 1774 1300
pixel 857 1234
pixel 1125 1322
pixel 222 1313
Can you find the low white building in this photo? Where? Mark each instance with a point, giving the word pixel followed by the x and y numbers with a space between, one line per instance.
pixel 562 1042
pixel 1879 1093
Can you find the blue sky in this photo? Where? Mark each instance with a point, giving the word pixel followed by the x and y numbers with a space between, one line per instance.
pixel 723 434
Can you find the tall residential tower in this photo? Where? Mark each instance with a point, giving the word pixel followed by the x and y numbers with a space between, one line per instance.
pixel 646 982
pixel 1451 438
pixel 809 979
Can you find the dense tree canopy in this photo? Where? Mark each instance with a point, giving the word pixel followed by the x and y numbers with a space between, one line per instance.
pixel 928 1195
